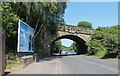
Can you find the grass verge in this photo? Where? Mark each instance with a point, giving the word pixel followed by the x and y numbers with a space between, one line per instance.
pixel 13 64
pixel 98 56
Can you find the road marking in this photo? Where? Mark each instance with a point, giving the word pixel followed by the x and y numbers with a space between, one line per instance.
pixel 56 65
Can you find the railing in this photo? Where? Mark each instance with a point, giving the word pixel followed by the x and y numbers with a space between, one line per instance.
pixel 77 32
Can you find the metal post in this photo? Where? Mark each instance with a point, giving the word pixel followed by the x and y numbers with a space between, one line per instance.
pixel 2 52
pixel 1 69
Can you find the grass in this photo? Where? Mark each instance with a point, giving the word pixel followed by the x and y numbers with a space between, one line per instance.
pixel 114 59
pixel 13 64
pixel 99 56
pixel 100 53
pixel 10 66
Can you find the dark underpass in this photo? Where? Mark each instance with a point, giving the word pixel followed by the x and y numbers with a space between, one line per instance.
pixel 80 43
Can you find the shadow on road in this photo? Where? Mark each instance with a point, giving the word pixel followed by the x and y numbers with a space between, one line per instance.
pixel 6 73
pixel 53 57
pixel 50 58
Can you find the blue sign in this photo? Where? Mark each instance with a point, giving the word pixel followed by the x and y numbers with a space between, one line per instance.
pixel 25 37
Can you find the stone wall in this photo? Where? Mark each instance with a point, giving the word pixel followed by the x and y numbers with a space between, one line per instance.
pixel 26 60
pixel 48 40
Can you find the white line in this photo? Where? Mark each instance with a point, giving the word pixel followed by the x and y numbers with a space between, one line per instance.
pixel 57 66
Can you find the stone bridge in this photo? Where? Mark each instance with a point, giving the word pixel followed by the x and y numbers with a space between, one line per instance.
pixel 85 36
pixel 80 37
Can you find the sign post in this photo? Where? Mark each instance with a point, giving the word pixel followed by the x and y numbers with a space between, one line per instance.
pixel 2 52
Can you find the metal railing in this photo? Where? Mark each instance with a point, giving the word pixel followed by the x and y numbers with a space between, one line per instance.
pixel 76 32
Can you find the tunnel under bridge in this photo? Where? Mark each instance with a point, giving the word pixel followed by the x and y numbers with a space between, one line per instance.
pixel 80 43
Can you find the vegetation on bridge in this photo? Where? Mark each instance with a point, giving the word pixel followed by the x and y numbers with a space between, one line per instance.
pixel 85 24
pixel 82 27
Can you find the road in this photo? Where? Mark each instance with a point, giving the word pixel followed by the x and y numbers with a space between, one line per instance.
pixel 74 64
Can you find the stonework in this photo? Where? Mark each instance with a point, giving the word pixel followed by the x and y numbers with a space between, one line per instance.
pixel 84 36
pixel 49 39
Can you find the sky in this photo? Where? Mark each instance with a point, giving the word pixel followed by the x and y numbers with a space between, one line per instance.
pixel 98 13
pixel 67 42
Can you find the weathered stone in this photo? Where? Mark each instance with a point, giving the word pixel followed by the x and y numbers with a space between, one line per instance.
pixel 27 59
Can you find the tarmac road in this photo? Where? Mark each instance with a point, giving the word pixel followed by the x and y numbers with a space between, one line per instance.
pixel 74 64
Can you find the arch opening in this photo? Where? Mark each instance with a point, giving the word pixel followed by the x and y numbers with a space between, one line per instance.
pixel 80 43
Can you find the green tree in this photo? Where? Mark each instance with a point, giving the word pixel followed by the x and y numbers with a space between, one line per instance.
pixel 74 47
pixel 104 42
pixel 66 48
pixel 85 24
pixel 57 46
pixel 9 22
pixel 41 14
pixel 44 17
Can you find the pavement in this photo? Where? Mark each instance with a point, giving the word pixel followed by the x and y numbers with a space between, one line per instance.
pixel 74 64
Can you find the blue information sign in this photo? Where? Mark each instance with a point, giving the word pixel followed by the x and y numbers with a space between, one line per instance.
pixel 25 37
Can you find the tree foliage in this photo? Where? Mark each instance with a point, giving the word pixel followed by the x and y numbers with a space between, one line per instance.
pixel 74 47
pixel 35 13
pixel 66 48
pixel 57 46
pixel 44 17
pixel 9 23
pixel 85 24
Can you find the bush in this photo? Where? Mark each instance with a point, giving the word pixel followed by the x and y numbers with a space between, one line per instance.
pixel 104 42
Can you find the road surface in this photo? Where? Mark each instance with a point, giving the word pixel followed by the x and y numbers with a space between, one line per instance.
pixel 75 64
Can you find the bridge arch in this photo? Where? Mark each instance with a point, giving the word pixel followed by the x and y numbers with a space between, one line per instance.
pixel 81 43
